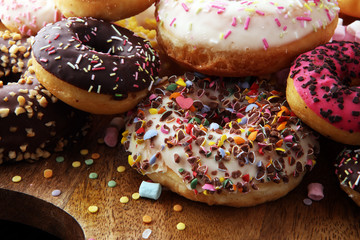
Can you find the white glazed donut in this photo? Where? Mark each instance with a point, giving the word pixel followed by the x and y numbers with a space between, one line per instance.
pixel 27 17
pixel 243 38
pixel 211 141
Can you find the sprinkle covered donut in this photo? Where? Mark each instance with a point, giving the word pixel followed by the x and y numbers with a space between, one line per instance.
pixel 348 172
pixel 27 17
pixel 242 38
pixel 93 65
pixel 33 122
pixel 212 141
pixel 323 90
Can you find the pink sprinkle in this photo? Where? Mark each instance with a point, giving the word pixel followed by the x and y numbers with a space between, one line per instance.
pixel 285 27
pixel 315 191
pixel 185 7
pixel 277 22
pixel 247 23
pixel 98 68
pixel 135 86
pixel 303 18
pixel 227 34
pixel 172 22
pixel 260 12
pixel 44 60
pixel 152 97
pixel 266 45
pixel 233 22
pixel 163 130
pixel 209 187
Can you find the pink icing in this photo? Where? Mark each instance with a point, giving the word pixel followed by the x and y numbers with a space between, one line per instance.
pixel 322 78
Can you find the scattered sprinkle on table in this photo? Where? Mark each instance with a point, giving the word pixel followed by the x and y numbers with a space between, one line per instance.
pixel 100 140
pixel 59 159
pixel 55 192
pixel 93 209
pixel 89 161
pixel 124 199
pixel 135 196
pixel 146 233
pixel 177 208
pixel 147 219
pixel 111 183
pixel 16 179
pixel 84 152
pixel 180 226
pixel 76 164
pixel 93 175
pixel 307 201
pixel 121 169
pixel 95 156
pixel 48 173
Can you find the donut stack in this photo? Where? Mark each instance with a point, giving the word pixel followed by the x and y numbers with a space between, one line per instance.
pixel 220 132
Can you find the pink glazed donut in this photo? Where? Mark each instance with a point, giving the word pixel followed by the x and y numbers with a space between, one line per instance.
pixel 323 90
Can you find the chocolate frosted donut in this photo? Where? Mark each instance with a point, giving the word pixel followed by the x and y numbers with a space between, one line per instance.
pixel 348 172
pixel 94 65
pixel 33 122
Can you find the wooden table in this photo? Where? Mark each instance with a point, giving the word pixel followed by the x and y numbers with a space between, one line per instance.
pixel 30 201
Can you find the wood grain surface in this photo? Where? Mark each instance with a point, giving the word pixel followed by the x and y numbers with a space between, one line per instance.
pixel 30 201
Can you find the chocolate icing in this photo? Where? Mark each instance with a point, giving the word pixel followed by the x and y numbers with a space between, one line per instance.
pixel 96 56
pixel 33 122
pixel 348 168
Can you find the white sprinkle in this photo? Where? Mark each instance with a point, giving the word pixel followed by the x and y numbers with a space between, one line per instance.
pixel 99 89
pixel 71 65
pixel 146 233
pixel 307 201
pixel 78 60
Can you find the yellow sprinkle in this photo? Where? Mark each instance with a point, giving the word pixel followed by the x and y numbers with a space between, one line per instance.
pixel 153 111
pixel 120 169
pixel 135 196
pixel 124 199
pixel 76 164
pixel 181 82
pixel 211 143
pixel 125 133
pixel 84 152
pixel 180 226
pixel 222 179
pixel 123 140
pixel 16 179
pixel 93 209
pixel 147 219
pixel 177 208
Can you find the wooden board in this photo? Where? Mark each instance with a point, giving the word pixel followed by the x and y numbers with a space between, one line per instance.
pixel 66 216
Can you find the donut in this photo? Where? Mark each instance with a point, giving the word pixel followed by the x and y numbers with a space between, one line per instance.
pixel 323 90
pixel 242 38
pixel 33 122
pixel 93 65
pixel 350 7
pixel 348 172
pixel 27 17
pixel 109 10
pixel 15 52
pixel 212 141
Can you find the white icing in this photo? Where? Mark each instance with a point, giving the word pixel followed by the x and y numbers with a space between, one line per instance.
pixel 244 25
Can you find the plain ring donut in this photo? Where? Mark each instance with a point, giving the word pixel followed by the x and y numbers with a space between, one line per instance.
pixel 242 38
pixel 109 10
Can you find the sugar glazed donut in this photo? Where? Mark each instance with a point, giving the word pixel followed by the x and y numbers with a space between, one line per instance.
pixel 109 10
pixel 93 65
pixel 27 17
pixel 33 122
pixel 213 142
pixel 348 172
pixel 243 38
pixel 323 90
